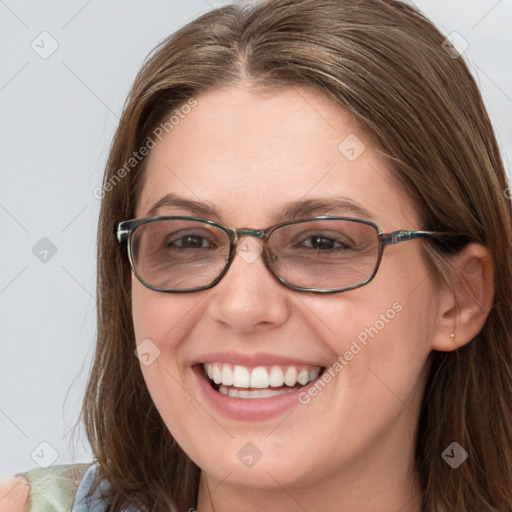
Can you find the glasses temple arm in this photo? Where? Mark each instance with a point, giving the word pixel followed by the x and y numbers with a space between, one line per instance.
pixel 403 235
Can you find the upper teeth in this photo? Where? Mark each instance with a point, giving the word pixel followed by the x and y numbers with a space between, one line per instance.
pixel 260 376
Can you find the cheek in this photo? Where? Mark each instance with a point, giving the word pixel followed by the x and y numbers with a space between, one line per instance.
pixel 161 322
pixel 381 334
pixel 160 317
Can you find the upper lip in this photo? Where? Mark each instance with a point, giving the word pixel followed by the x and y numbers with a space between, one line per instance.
pixel 258 359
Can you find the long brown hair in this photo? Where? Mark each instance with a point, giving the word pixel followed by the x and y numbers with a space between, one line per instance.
pixel 384 62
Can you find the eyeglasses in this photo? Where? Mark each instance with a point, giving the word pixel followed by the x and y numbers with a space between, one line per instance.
pixel 322 254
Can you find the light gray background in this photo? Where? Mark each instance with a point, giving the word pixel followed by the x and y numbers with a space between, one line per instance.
pixel 57 119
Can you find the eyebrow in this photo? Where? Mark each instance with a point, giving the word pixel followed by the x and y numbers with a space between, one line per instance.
pixel 292 210
pixel 199 208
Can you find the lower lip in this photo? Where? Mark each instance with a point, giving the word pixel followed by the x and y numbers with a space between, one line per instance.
pixel 248 408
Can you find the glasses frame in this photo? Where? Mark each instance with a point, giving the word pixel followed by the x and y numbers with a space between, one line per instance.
pixel 126 229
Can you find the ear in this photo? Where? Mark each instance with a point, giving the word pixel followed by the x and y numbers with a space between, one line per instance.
pixel 464 309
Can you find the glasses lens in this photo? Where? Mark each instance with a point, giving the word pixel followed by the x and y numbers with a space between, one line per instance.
pixel 179 253
pixel 327 254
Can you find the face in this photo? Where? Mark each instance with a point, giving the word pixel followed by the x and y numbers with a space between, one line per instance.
pixel 248 156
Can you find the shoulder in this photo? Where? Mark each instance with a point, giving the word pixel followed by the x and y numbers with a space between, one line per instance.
pixel 37 488
pixel 14 495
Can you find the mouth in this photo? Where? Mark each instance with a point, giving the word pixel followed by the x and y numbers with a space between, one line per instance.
pixel 239 381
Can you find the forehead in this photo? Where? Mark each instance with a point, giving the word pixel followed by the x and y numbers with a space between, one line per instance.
pixel 247 155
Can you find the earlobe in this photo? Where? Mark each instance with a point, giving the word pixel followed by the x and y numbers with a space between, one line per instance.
pixel 464 308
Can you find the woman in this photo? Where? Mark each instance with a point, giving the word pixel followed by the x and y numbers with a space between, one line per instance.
pixel 346 347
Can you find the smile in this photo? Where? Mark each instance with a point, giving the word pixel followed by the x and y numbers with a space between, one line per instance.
pixel 239 381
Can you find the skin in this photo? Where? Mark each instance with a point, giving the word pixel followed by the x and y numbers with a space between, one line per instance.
pixel 14 495
pixel 351 447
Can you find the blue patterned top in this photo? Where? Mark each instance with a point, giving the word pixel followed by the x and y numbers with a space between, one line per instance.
pixel 94 503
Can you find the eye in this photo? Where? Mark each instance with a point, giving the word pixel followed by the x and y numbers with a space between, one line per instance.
pixel 324 242
pixel 188 241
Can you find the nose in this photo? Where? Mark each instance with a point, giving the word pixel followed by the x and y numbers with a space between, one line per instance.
pixel 249 298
